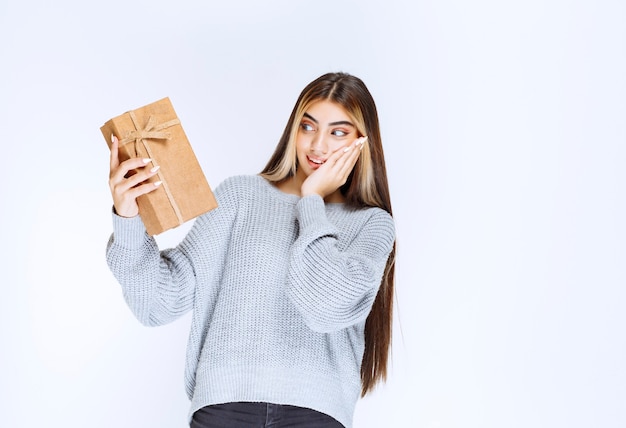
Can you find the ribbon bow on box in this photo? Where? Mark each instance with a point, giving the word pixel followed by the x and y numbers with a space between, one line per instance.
pixel 153 132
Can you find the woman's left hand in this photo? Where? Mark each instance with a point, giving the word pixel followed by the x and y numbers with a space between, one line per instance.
pixel 334 172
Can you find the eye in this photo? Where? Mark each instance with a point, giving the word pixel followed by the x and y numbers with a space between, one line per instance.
pixel 339 133
pixel 307 127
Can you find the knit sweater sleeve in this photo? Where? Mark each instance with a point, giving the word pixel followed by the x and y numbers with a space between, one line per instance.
pixel 332 287
pixel 159 286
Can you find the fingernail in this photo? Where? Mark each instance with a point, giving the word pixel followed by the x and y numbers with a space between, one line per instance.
pixel 146 160
pixel 157 183
pixel 113 139
pixel 346 149
pixel 155 169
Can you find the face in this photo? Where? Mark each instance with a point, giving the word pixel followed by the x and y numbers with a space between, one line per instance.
pixel 325 128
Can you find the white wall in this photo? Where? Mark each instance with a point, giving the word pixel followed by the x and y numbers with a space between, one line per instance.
pixel 504 126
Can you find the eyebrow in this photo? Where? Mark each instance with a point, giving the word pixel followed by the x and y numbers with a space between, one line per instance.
pixel 341 122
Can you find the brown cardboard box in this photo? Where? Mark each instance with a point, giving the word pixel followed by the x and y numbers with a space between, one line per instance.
pixel 154 132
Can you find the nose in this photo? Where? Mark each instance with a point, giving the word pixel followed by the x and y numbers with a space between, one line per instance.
pixel 319 145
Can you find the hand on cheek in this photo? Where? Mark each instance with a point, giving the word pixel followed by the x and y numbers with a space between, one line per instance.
pixel 334 172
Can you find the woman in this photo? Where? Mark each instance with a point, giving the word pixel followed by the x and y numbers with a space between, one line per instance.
pixel 290 279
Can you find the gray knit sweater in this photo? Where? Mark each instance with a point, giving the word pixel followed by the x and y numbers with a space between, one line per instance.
pixel 280 287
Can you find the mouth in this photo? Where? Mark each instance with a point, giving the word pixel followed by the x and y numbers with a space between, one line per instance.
pixel 315 162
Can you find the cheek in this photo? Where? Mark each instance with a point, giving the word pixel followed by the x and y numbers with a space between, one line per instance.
pixel 304 141
pixel 335 145
pixel 300 145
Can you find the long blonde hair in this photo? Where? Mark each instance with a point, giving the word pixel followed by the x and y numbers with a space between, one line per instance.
pixel 366 186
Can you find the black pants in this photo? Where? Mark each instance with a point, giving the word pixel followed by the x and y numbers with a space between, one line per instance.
pixel 260 415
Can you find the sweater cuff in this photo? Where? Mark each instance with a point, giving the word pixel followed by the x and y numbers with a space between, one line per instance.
pixel 128 232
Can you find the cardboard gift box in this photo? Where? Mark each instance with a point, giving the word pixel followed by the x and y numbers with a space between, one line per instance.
pixel 154 131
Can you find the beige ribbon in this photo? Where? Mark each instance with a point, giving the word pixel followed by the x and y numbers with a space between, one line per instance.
pixel 153 132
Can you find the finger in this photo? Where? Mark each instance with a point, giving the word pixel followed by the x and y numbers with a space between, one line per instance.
pixel 124 183
pixel 118 174
pixel 140 177
pixel 348 162
pixel 337 155
pixel 126 203
pixel 144 188
pixel 351 154
pixel 343 159
pixel 120 183
pixel 115 160
pixel 129 189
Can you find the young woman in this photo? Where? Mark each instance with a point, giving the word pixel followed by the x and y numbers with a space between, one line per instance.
pixel 290 279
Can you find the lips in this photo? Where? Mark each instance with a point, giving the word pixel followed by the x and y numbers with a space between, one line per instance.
pixel 315 162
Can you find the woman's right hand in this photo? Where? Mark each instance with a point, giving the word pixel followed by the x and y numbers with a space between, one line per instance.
pixel 125 190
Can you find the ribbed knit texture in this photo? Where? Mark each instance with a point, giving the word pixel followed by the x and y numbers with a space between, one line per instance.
pixel 280 287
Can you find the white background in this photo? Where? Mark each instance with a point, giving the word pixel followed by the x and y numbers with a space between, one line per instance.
pixel 504 128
